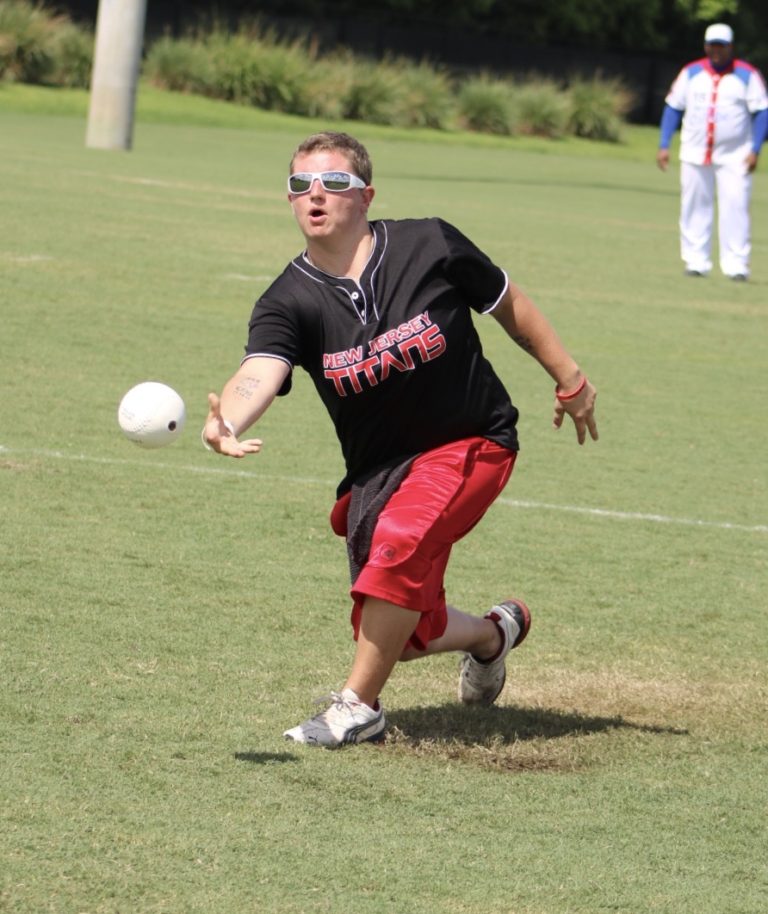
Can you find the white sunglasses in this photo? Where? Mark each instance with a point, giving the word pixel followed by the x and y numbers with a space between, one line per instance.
pixel 335 181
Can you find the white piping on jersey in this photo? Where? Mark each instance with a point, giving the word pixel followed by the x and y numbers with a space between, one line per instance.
pixel 492 308
pixel 376 268
pixel 362 312
pixel 266 355
pixel 307 273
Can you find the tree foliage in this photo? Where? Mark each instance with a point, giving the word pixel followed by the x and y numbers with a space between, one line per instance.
pixel 639 26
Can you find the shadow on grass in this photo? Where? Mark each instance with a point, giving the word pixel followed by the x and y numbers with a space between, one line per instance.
pixel 265 758
pixel 473 725
pixel 506 738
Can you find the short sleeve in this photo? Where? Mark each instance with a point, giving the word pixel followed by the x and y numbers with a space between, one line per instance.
pixel 479 280
pixel 676 97
pixel 273 331
pixel 757 99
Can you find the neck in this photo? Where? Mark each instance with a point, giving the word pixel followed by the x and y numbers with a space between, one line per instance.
pixel 346 259
pixel 722 67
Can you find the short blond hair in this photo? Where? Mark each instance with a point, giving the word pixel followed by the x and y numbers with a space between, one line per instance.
pixel 329 141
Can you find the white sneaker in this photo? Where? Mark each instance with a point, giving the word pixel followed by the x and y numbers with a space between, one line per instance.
pixel 347 720
pixel 481 682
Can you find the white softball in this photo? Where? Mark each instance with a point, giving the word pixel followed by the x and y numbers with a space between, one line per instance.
pixel 151 414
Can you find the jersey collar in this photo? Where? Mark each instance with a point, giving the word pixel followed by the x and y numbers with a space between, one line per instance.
pixel 361 295
pixel 718 71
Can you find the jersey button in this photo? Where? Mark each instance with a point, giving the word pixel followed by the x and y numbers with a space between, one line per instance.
pixel 355 296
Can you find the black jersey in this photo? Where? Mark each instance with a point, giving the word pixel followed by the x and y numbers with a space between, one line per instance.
pixel 395 358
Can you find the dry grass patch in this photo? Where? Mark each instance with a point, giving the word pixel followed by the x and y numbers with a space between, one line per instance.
pixel 726 705
pixel 567 720
pixel 497 754
pixel 12 465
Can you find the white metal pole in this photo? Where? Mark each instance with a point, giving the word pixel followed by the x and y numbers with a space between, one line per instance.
pixel 116 62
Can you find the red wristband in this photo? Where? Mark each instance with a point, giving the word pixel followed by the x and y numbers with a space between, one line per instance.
pixel 571 394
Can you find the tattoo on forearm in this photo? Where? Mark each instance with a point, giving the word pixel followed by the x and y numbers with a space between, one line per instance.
pixel 524 343
pixel 247 387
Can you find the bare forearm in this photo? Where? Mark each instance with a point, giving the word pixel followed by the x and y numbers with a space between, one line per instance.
pixel 532 332
pixel 528 327
pixel 250 391
pixel 245 398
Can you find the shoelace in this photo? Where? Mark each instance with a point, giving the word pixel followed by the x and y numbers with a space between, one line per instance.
pixel 334 699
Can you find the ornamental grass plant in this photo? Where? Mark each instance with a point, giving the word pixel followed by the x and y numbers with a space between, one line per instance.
pixel 21 37
pixel 71 50
pixel 542 108
pixel 486 106
pixel 427 97
pixel 598 108
pixel 180 65
pixel 27 41
pixel 370 93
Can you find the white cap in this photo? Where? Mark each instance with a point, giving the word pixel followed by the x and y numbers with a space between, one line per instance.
pixel 719 32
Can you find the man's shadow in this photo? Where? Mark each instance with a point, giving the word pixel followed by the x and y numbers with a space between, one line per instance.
pixel 265 758
pixel 506 725
pixel 482 727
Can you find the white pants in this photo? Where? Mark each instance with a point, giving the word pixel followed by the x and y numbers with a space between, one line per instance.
pixel 697 206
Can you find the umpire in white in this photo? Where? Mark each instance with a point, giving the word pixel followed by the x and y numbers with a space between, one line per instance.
pixel 722 104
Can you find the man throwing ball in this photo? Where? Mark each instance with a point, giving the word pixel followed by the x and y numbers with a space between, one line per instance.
pixel 379 314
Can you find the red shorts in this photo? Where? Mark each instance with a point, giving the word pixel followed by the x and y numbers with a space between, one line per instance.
pixel 446 492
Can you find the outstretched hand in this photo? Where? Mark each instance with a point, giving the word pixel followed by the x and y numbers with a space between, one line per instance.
pixel 582 410
pixel 221 438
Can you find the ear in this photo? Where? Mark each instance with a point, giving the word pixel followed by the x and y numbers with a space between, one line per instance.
pixel 368 193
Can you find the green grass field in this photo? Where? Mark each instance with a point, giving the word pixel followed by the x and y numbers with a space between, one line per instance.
pixel 165 615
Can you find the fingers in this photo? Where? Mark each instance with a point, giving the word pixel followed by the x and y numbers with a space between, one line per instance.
pixel 584 425
pixel 214 406
pixel 219 435
pixel 581 409
pixel 231 447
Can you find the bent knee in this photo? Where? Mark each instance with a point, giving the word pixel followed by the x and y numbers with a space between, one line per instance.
pixel 410 653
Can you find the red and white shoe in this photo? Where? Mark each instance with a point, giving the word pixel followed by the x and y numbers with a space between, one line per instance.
pixel 481 681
